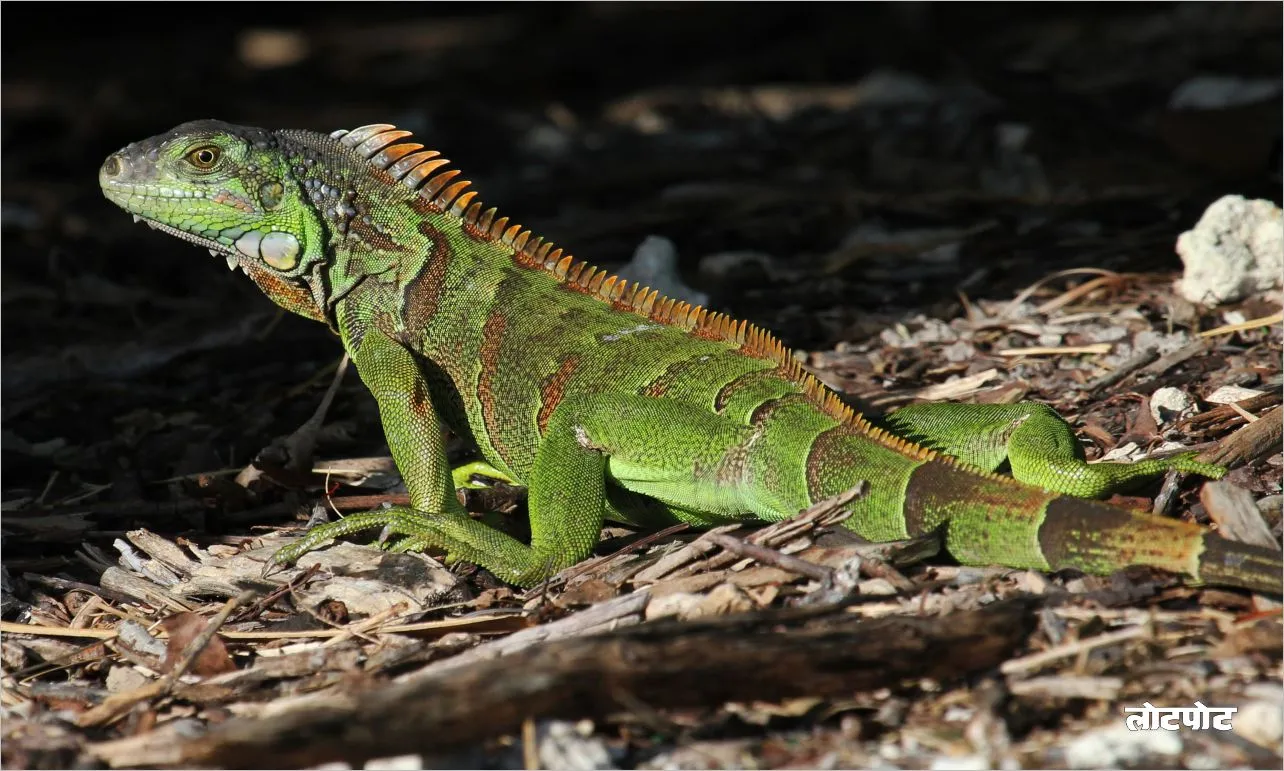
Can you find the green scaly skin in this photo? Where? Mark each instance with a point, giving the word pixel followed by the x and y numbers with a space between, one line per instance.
pixel 605 400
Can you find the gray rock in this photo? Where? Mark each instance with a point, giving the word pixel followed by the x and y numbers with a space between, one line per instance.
pixel 1234 251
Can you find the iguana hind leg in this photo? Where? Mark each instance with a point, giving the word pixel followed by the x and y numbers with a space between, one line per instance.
pixel 1038 444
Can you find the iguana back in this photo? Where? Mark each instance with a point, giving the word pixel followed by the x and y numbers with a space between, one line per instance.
pixel 603 397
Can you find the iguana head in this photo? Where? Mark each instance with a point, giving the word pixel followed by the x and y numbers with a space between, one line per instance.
pixel 233 190
pixel 224 187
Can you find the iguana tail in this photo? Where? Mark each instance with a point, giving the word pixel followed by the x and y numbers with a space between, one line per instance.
pixel 1096 537
pixel 990 519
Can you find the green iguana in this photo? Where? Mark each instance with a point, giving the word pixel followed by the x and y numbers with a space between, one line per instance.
pixel 606 400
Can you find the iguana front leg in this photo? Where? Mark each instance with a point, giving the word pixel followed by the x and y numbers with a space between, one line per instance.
pixel 412 428
pixel 567 484
pixel 1038 444
pixel 435 517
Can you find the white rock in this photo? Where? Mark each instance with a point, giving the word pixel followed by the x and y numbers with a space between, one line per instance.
pixel 1168 405
pixel 572 746
pixel 1115 747
pixel 1230 395
pixel 1235 250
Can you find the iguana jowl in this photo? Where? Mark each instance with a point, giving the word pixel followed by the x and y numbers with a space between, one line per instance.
pixel 604 399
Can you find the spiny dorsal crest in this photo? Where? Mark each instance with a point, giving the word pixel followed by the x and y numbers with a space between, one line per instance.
pixel 410 164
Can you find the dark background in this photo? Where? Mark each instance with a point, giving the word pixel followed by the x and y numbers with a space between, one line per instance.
pixel 129 357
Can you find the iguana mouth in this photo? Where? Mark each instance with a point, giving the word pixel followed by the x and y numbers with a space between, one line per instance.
pixel 124 194
pixel 215 248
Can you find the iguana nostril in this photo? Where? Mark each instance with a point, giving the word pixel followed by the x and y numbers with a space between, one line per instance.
pixel 111 167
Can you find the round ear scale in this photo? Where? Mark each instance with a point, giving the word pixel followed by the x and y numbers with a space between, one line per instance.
pixel 393 151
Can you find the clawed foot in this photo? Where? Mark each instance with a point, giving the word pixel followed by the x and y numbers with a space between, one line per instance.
pixel 398 520
pixel 461 537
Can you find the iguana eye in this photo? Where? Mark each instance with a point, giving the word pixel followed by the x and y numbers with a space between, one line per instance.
pixel 203 158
